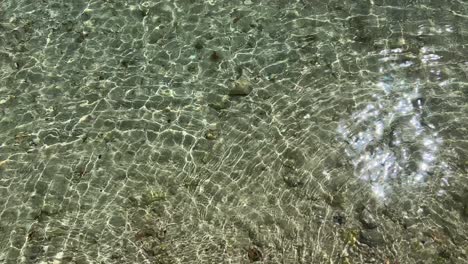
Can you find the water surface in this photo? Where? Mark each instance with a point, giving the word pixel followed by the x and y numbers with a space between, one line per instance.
pixel 233 131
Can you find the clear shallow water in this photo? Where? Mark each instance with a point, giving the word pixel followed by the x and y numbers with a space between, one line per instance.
pixel 233 132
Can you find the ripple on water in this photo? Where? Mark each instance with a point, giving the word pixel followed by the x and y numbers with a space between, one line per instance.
pixel 388 139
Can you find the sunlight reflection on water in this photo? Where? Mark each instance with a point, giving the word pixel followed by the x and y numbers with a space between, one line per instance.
pixel 388 139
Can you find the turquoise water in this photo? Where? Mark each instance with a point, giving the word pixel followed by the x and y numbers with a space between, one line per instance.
pixel 233 131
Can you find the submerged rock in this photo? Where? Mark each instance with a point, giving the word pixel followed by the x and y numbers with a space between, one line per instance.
pixel 241 87
pixel 217 102
pixel 211 134
pixel 372 238
pixel 368 220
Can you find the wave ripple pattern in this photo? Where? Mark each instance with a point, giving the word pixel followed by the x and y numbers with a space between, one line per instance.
pixel 233 131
